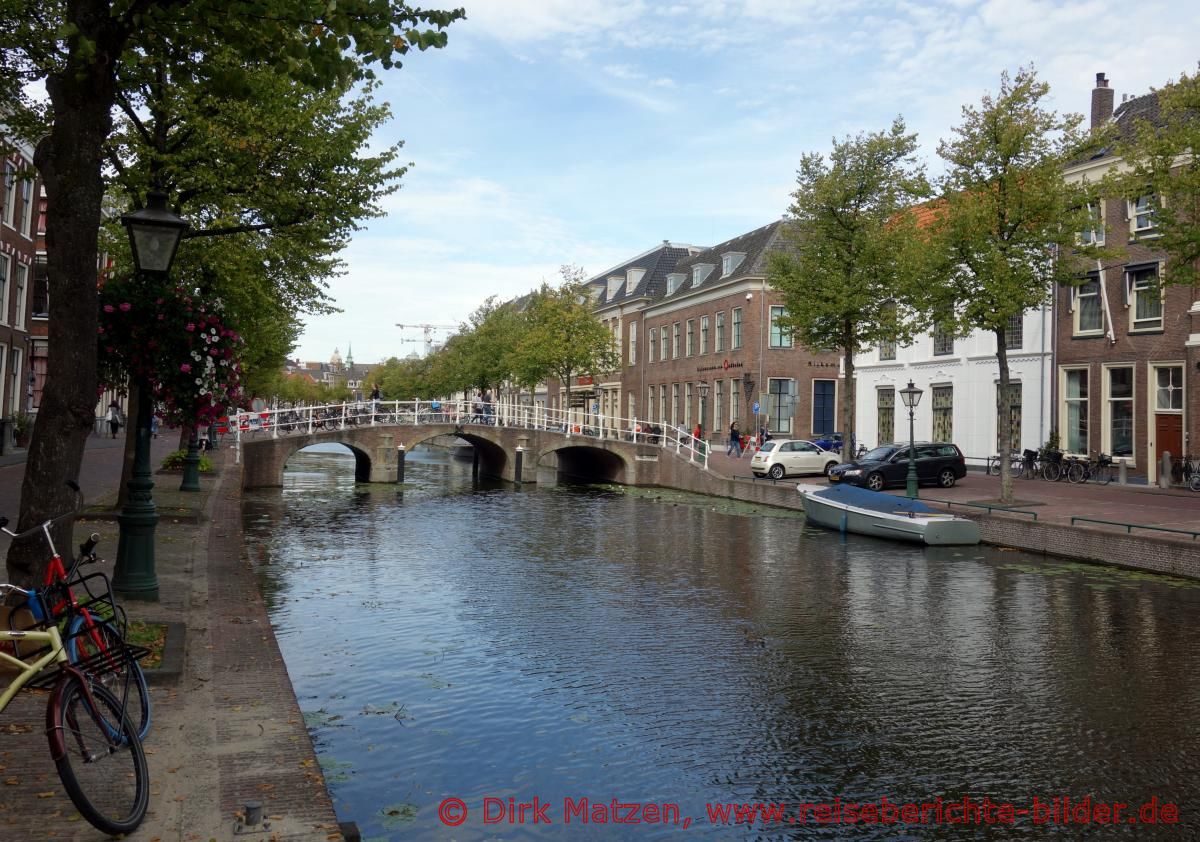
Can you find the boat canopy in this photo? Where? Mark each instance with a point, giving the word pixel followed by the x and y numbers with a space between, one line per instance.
pixel 876 501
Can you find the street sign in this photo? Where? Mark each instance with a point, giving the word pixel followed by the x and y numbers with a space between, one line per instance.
pixel 595 407
pixel 754 408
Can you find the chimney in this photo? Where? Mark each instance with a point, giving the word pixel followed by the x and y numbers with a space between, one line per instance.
pixel 1102 101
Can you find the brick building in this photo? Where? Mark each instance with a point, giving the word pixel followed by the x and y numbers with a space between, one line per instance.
pixel 710 318
pixel 1127 353
pixel 20 192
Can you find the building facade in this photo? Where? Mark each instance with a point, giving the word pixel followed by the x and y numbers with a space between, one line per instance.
pixel 20 201
pixel 1128 351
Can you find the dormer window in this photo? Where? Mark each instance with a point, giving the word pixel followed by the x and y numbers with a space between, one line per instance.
pixel 730 261
pixel 674 282
pixel 633 277
pixel 699 272
pixel 614 286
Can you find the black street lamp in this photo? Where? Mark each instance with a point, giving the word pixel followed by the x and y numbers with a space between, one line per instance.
pixel 911 396
pixel 597 393
pixel 154 235
pixel 703 386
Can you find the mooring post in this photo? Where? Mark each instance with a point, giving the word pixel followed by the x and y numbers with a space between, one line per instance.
pixel 399 463
pixel 519 468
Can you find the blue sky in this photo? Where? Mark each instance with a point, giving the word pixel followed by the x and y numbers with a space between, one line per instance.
pixel 586 131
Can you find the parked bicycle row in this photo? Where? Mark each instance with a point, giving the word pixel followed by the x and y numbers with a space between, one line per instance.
pixel 69 636
pixel 1053 466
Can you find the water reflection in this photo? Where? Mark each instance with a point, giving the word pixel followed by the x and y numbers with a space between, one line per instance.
pixel 452 639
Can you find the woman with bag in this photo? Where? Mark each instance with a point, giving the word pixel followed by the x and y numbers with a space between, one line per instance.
pixel 114 417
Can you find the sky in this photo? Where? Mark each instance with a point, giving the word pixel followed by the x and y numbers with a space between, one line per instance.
pixel 585 132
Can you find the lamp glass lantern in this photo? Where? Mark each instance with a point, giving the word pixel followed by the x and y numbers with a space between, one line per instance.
pixel 911 396
pixel 154 234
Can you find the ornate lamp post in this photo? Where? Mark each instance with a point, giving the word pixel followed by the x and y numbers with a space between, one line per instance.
pixel 703 386
pixel 597 393
pixel 911 396
pixel 154 235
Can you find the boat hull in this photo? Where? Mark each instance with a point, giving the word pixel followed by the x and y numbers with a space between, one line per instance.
pixel 933 528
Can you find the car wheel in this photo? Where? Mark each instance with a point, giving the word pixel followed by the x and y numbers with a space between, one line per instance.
pixel 759 474
pixel 829 468
pixel 946 478
pixel 875 482
pixel 776 472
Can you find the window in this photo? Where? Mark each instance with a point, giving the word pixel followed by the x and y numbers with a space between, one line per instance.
pixel 731 261
pixel 781 404
pixel 1011 405
pixel 649 403
pixel 943 413
pixel 1146 311
pixel 675 341
pixel 1089 317
pixel 1093 234
pixel 781 337
pixel 734 400
pixel 737 328
pixel 1120 411
pixel 943 340
pixel 719 345
pixel 687 407
pixel 651 345
pixel 704 334
pixel 700 272
pixel 1142 218
pixel 19 286
pixel 1169 388
pixel 718 402
pixel 673 282
pixel 691 337
pixel 674 404
pixel 10 191
pixel 885 401
pixel 1075 396
pixel 662 344
pixel 662 404
pixel 3 289
pixel 632 407
pixel 1014 332
pixel 41 287
pixel 632 343
pixel 14 384
pixel 887 349
pixel 28 208
pixel 823 406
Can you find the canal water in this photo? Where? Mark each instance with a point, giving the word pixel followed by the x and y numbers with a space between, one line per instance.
pixel 461 648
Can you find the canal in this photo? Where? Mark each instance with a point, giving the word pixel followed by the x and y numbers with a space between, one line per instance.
pixel 460 647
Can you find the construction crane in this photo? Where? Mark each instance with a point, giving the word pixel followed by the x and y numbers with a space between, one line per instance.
pixel 428 333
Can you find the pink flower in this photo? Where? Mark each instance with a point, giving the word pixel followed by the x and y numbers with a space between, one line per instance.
pixel 108 308
pixel 126 307
pixel 185 368
pixel 190 327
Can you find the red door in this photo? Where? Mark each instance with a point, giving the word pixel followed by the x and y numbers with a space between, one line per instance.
pixel 1168 436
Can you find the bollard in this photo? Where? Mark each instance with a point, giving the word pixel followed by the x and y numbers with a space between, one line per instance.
pixel 399 463
pixel 1164 470
pixel 519 468
pixel 1122 473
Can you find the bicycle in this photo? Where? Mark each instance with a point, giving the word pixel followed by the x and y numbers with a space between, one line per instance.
pixel 1051 462
pixel 87 633
pixel 1016 463
pixel 95 748
pixel 1099 469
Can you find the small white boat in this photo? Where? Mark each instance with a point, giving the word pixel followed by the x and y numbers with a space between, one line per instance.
pixel 848 508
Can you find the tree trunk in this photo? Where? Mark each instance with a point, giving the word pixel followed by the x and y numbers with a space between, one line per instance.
pixel 81 96
pixel 849 402
pixel 1004 422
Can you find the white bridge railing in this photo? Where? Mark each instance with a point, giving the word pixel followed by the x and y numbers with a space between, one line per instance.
pixel 285 421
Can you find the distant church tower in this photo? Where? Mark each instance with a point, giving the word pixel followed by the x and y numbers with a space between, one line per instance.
pixel 335 362
pixel 349 357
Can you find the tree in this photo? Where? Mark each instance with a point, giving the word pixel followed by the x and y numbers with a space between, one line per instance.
pixel 1163 156
pixel 1005 230
pixel 78 51
pixel 849 278
pixel 562 337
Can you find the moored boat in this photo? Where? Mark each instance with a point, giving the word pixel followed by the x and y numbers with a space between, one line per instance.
pixel 850 509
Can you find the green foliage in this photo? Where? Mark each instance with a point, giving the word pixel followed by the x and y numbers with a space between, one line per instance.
pixel 22 423
pixel 175 462
pixel 1163 159
pixel 855 256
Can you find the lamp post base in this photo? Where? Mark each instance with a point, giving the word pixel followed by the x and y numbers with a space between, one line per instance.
pixel 133 575
pixel 191 464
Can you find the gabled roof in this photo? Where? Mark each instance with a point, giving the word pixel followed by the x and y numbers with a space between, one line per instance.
pixel 756 245
pixel 658 262
pixel 1126 117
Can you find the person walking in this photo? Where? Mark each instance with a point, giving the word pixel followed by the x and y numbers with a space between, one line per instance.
pixel 735 441
pixel 114 417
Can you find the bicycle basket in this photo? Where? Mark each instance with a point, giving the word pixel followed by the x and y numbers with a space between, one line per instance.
pixel 1029 455
pixel 1054 456
pixel 1105 459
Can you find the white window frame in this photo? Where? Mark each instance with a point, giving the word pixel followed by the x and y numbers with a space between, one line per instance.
pixel 650 346
pixel 1133 291
pixel 633 343
pixel 780 337
pixel 718 402
pixel 5 262
pixel 704 323
pixel 719 338
pixel 734 398
pixel 1180 390
pixel 1145 206
pixel 689 343
pixel 1014 332
pixel 675 337
pixel 1077 308
pixel 21 285
pixel 1108 400
pixel 1094 235
pixel 10 192
pixel 664 341
pixel 687 406
pixel 736 337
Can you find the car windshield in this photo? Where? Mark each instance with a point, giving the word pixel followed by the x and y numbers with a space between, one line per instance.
pixel 879 454
pixel 767 447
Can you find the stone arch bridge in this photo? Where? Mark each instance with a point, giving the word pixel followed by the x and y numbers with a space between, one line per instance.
pixel 516 454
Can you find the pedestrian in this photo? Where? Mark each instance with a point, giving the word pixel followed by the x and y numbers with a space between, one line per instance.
pixel 735 441
pixel 154 424
pixel 114 417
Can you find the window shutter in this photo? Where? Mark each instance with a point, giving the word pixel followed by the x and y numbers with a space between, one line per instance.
pixel 1127 287
pixel 1072 293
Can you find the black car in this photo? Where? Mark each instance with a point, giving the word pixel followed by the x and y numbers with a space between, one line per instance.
pixel 940 463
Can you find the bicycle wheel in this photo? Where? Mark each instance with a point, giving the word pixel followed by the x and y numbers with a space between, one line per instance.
pixel 1194 482
pixel 1051 472
pixel 122 676
pixel 993 466
pixel 104 775
pixel 1076 473
pixel 1104 474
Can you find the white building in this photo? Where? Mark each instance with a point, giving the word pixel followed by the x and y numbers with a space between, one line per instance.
pixel 960 379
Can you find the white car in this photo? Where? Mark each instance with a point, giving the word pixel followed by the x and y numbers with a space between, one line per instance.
pixel 786 457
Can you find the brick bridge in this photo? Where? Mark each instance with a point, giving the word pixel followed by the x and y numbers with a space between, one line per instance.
pixel 542 454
